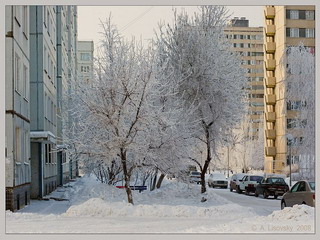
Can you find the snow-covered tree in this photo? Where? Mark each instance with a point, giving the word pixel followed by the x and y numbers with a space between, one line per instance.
pixel 212 78
pixel 299 63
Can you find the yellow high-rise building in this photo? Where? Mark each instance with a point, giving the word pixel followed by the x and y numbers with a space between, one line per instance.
pixel 285 26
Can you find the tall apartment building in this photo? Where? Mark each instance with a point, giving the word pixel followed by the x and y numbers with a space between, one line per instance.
pixel 85 60
pixel 53 64
pixel 248 41
pixel 17 97
pixel 285 26
pixel 43 90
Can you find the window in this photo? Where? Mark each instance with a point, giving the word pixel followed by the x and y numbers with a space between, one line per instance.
pixel 18 145
pixel 18 80
pixel 48 158
pixel 25 82
pixel 302 32
pixel 48 21
pixel 294 32
pixel 291 123
pixel 45 68
pixel 309 15
pixel 257 87
pixel 85 56
pixel 85 69
pixel 310 32
pixel 44 16
pixel 25 21
pixel 294 14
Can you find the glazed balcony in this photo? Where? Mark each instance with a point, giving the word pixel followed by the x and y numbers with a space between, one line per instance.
pixel 270 116
pixel 270 47
pixel 269 12
pixel 270 64
pixel 270 82
pixel 271 134
pixel 270 30
pixel 270 99
pixel 270 151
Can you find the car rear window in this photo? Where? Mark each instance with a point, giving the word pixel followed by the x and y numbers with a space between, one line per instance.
pixel 311 184
pixel 255 178
pixel 275 180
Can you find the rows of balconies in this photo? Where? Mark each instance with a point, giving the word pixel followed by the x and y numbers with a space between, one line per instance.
pixel 270 81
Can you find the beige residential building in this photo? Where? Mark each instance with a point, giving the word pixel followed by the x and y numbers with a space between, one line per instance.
pixel 248 41
pixel 284 26
pixel 85 59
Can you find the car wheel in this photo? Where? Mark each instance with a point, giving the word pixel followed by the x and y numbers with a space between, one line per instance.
pixel 212 186
pixel 246 192
pixel 230 189
pixel 283 204
pixel 265 194
pixel 239 190
pixel 275 196
pixel 256 194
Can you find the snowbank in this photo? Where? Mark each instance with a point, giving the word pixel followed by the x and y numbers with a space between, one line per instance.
pixel 296 219
pixel 97 207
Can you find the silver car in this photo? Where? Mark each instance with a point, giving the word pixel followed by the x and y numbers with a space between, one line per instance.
pixel 303 192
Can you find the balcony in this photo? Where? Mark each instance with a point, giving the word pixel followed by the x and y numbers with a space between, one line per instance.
pixel 270 64
pixel 270 30
pixel 270 151
pixel 269 12
pixel 270 82
pixel 271 134
pixel 270 116
pixel 270 99
pixel 270 47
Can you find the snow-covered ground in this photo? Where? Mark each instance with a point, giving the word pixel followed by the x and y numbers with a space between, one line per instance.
pixel 93 207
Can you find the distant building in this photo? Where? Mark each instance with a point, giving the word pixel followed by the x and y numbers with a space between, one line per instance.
pixel 85 60
pixel 248 41
pixel 17 99
pixel 284 26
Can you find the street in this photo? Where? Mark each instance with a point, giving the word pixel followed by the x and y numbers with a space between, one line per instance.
pixel 260 205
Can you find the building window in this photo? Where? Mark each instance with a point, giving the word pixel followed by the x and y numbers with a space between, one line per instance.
pixel 310 32
pixel 291 123
pixel 18 83
pixel 25 82
pixel 257 87
pixel 85 56
pixel 309 15
pixel 85 69
pixel 25 21
pixel 18 145
pixel 45 59
pixel 48 157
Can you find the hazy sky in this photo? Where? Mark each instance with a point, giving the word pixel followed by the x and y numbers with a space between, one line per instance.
pixel 140 21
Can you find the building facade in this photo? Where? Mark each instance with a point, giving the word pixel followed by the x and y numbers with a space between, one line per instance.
pixel 85 60
pixel 248 41
pixel 285 26
pixel 17 98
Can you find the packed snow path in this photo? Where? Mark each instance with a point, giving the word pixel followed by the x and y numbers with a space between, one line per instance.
pixel 93 207
pixel 261 206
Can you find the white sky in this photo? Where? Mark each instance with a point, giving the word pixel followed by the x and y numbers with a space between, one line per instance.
pixel 140 21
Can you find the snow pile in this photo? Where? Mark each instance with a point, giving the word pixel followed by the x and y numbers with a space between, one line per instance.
pixel 97 207
pixel 295 213
pixel 296 219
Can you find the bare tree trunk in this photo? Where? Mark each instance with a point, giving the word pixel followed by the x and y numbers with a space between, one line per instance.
pixel 206 164
pixel 126 175
pixel 153 185
pixel 160 180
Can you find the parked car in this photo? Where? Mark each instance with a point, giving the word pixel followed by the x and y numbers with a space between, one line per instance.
pixel 248 183
pixel 195 177
pixel 271 186
pixel 303 192
pixel 217 180
pixel 235 181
